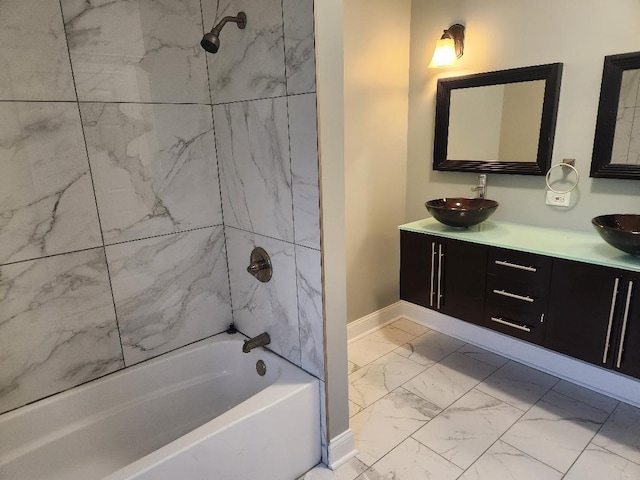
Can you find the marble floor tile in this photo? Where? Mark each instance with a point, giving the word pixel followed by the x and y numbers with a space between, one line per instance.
pixel 412 461
pixel 584 395
pixel 444 383
pixel 621 433
pixel 374 381
pixel 596 463
pixel 353 409
pixel 483 355
pixel 351 367
pixel 463 432
pixel 555 430
pixel 348 471
pixel 410 327
pixel 518 385
pixel 386 423
pixel 430 348
pixel 503 462
pixel 377 344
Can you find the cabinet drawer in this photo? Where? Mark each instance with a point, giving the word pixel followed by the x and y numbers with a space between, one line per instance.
pixel 517 296
pixel 520 266
pixel 525 327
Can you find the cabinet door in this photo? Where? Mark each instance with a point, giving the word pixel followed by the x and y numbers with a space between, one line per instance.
pixel 463 280
pixel 417 268
pixel 627 349
pixel 583 307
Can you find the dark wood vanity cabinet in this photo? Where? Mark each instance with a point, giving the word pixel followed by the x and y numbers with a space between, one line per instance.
pixel 443 274
pixel 594 315
pixel 583 310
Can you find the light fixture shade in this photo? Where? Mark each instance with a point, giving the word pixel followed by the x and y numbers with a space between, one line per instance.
pixel 449 48
pixel 444 54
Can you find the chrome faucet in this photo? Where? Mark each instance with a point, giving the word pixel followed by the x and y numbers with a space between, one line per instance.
pixel 481 188
pixel 259 341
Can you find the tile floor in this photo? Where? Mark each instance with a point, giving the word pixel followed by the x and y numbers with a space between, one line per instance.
pixel 427 406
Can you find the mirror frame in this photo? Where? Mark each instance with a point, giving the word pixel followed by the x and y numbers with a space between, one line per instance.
pixel 550 73
pixel 601 166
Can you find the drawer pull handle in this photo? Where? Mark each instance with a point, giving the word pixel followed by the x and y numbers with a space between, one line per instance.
pixel 515 265
pixel 607 340
pixel 509 324
pixel 513 295
pixel 440 261
pixel 624 324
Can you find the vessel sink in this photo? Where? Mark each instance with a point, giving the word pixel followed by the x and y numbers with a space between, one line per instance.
pixel 461 212
pixel 620 231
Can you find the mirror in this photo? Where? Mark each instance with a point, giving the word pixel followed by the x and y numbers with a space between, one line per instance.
pixel 497 122
pixel 616 146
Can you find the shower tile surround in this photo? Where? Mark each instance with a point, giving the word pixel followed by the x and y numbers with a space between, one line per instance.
pixel 138 174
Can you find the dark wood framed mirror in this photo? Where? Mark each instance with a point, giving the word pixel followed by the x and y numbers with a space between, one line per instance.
pixel 497 122
pixel 616 145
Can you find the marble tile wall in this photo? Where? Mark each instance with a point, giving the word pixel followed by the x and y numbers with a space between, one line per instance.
pixel 133 164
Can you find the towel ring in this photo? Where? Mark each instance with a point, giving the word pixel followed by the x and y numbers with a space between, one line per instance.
pixel 567 165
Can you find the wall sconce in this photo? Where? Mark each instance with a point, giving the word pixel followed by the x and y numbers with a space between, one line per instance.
pixel 449 48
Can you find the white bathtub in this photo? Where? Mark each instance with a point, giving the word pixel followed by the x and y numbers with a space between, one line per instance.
pixel 201 412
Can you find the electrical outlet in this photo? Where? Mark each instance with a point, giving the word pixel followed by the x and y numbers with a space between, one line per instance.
pixel 558 199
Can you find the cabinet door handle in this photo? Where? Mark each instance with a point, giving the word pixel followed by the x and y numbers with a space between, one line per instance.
pixel 611 311
pixel 433 272
pixel 515 265
pixel 509 324
pixel 624 324
pixel 440 262
pixel 513 295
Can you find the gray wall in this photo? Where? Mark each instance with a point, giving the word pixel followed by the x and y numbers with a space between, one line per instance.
pixel 577 33
pixel 137 175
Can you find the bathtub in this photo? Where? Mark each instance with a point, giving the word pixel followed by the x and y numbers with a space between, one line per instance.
pixel 201 412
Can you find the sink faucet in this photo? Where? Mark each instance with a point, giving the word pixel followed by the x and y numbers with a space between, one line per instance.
pixel 481 188
pixel 259 341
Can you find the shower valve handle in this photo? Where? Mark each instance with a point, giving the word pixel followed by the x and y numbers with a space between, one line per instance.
pixel 260 265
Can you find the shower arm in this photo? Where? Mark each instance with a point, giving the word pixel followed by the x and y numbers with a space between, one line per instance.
pixel 240 19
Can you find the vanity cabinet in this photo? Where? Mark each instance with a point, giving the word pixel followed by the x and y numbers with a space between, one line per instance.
pixel 443 274
pixel 517 293
pixel 594 315
pixel 558 289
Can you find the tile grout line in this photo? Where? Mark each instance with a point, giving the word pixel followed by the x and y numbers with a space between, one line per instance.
pixel 550 389
pixel 93 188
pixel 591 441
pixel 215 146
pixel 524 412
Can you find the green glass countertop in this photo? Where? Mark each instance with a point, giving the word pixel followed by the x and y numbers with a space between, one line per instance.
pixel 580 246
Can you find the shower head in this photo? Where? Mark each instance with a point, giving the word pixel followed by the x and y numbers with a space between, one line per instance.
pixel 211 41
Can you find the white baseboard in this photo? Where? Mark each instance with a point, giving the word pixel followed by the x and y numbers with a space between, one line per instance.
pixel 365 325
pixel 341 449
pixel 621 387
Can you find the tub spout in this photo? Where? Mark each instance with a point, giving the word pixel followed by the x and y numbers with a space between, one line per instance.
pixel 259 341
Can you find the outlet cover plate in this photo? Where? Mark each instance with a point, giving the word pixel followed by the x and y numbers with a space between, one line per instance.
pixel 558 199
